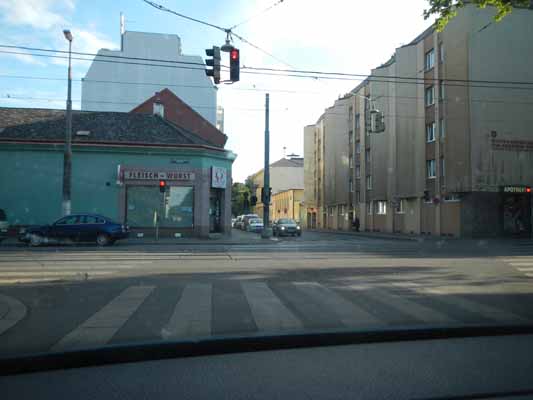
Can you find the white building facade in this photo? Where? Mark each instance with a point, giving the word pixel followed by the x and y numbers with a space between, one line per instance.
pixel 114 83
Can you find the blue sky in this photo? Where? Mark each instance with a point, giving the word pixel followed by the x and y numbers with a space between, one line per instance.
pixel 338 35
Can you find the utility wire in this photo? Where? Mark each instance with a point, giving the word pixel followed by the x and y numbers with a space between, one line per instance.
pixel 274 71
pixel 163 8
pixel 226 30
pixel 277 3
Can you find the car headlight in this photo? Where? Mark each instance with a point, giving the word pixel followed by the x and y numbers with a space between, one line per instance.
pixel 298 228
pixel 282 228
pixel 22 230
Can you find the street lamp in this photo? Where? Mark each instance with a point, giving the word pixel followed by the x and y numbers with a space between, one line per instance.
pixel 67 157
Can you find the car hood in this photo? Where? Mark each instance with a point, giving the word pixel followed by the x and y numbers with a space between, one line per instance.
pixel 289 225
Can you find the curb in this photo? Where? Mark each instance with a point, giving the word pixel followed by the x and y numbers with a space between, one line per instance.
pixel 370 235
pixel 16 312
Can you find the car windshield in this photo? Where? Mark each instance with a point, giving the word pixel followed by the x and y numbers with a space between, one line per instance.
pixel 286 221
pixel 173 171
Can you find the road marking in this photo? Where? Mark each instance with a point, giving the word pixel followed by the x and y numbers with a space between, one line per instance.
pixel 16 310
pixel 525 269
pixel 192 314
pixel 102 326
pixel 409 307
pixel 269 313
pixel 477 308
pixel 521 264
pixel 348 313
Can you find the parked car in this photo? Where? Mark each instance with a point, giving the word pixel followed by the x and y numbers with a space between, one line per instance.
pixel 4 225
pixel 77 228
pixel 255 225
pixel 233 220
pixel 246 219
pixel 286 226
pixel 238 222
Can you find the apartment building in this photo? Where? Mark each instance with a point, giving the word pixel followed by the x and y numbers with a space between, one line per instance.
pixel 285 174
pixel 287 204
pixel 456 156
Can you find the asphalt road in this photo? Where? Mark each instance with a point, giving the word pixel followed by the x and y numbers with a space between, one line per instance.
pixel 84 296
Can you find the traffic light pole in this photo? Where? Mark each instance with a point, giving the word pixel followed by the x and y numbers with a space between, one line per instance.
pixel 267 231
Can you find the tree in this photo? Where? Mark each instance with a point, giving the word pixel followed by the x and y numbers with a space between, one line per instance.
pixel 240 195
pixel 445 10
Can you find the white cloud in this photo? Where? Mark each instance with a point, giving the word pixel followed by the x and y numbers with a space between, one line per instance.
pixel 39 14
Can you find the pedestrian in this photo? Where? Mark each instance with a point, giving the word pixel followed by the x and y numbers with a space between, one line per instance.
pixel 356 224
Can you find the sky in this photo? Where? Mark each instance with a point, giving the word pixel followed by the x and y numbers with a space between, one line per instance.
pixel 338 35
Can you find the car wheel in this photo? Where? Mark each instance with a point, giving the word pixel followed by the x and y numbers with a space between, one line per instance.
pixel 36 240
pixel 102 239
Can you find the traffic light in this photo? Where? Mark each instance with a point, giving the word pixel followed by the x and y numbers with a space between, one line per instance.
pixel 162 186
pixel 265 193
pixel 214 62
pixel 426 195
pixel 253 200
pixel 234 65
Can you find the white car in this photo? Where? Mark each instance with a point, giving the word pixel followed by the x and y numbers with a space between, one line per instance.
pixel 255 225
pixel 4 225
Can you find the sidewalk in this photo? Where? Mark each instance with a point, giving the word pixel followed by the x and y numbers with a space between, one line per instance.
pixel 237 238
pixel 379 235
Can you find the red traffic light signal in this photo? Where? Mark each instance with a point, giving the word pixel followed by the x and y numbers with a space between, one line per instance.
pixel 234 65
pixel 162 186
pixel 528 189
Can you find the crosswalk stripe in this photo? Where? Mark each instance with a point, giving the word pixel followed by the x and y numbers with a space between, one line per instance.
pixel 407 306
pixel 477 308
pixel 348 313
pixel 521 264
pixel 269 312
pixel 192 314
pixel 525 269
pixel 102 326
pixel 529 275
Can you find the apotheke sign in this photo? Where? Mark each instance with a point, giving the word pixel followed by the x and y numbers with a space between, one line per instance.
pixel 516 189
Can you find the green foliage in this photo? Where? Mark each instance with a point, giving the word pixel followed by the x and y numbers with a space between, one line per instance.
pixel 445 10
pixel 240 195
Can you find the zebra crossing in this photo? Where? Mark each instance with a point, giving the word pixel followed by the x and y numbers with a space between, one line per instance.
pixel 522 264
pixel 282 307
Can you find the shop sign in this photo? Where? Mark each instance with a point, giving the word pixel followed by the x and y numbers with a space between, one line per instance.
pixel 219 177
pixel 516 189
pixel 136 174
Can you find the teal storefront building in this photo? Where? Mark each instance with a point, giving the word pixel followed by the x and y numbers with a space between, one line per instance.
pixel 118 162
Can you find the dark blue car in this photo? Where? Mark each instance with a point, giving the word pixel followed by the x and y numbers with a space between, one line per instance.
pixel 76 228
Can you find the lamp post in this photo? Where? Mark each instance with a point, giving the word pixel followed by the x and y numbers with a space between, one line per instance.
pixel 67 157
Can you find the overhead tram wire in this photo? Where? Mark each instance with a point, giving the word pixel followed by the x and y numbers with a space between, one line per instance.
pixel 261 70
pixel 277 3
pixel 228 31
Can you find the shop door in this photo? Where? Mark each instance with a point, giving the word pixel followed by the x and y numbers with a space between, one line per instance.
pixel 516 215
pixel 215 211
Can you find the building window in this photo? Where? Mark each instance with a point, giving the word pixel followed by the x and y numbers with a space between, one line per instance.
pixel 430 169
pixel 368 209
pixel 358 148
pixel 441 90
pixel 357 121
pixel 429 60
pixel 429 96
pixel 380 207
pixel 400 209
pixel 351 185
pixel 442 167
pixel 350 113
pixel 331 211
pixel 430 132
pixel 159 109
pixel 350 161
pixel 453 197
pixel 341 210
pixel 357 171
pixel 350 138
pixel 369 182
pixel 358 197
pixel 441 52
pixel 368 155
pixel 442 131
